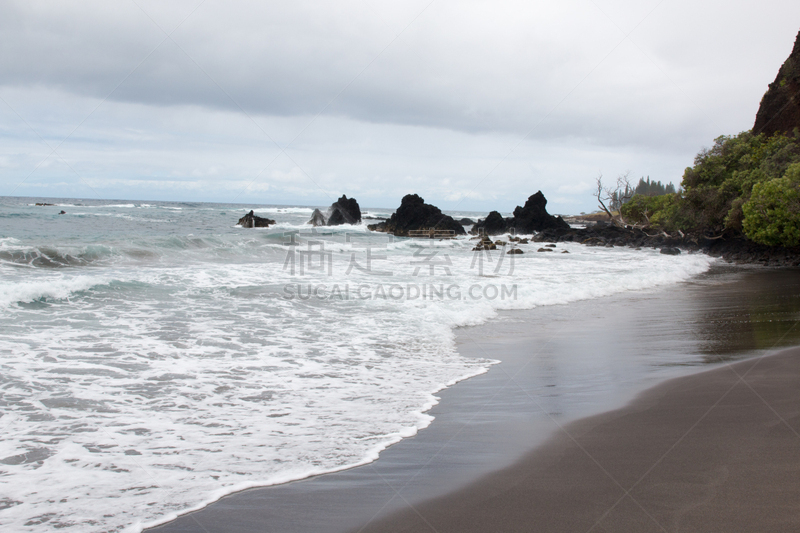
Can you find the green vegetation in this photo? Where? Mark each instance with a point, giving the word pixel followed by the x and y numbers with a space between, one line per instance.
pixel 625 192
pixel 660 211
pixel 653 188
pixel 772 214
pixel 744 183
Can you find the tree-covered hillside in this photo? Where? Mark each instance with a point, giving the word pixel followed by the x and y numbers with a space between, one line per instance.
pixel 744 183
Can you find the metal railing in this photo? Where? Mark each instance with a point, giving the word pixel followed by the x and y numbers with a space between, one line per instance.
pixel 432 233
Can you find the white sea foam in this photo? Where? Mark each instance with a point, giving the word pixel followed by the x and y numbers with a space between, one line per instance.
pixel 7 243
pixel 282 210
pixel 100 206
pixel 55 287
pixel 190 378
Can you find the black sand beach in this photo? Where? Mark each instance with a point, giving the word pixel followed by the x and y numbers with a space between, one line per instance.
pixel 715 451
pixel 513 450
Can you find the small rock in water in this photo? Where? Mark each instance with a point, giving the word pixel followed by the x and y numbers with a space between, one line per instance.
pixel 485 245
pixel 317 218
pixel 251 220
pixel 544 250
pixel 515 251
pixel 670 250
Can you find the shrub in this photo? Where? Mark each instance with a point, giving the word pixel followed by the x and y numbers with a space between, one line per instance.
pixel 772 214
pixel 662 211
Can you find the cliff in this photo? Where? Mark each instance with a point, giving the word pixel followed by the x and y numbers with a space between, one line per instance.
pixel 780 107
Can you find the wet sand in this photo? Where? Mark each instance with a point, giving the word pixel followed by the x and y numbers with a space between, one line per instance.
pixel 559 364
pixel 715 451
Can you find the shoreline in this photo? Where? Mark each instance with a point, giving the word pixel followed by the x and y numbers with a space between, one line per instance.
pixel 479 431
pixel 716 450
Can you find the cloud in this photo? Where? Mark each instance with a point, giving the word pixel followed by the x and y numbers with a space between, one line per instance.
pixel 457 196
pixel 468 103
pixel 555 69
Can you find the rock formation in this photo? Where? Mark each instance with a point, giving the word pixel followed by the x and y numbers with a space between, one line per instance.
pixel 344 211
pixel 415 214
pixel 493 224
pixel 250 220
pixel 779 111
pixel 533 216
pixel 466 222
pixel 317 218
pixel 530 218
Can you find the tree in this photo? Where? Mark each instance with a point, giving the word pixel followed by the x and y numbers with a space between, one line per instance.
pixel 772 214
pixel 615 196
pixel 645 187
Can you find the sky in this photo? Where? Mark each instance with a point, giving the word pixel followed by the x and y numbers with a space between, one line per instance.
pixel 473 105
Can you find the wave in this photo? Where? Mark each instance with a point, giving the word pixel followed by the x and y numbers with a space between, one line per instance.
pixel 46 290
pixel 50 257
pixel 166 249
pixel 197 358
pixel 6 242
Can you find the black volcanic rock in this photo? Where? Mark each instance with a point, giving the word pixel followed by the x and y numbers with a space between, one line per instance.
pixel 493 224
pixel 344 211
pixel 415 214
pixel 779 111
pixel 530 218
pixel 533 216
pixel 466 222
pixel 317 218
pixel 250 220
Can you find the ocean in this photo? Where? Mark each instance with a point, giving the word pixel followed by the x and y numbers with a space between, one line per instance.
pixel 154 356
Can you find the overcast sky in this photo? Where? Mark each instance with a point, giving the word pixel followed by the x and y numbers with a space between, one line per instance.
pixel 473 105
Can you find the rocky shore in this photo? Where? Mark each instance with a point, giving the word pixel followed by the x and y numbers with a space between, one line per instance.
pixel 534 220
pixel 730 247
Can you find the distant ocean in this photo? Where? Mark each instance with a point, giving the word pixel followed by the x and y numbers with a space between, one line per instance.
pixel 155 357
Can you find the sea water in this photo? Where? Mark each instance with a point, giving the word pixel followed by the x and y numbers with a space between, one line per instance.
pixel 155 356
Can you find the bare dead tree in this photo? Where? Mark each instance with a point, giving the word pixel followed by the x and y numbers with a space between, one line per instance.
pixel 615 196
pixel 601 195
